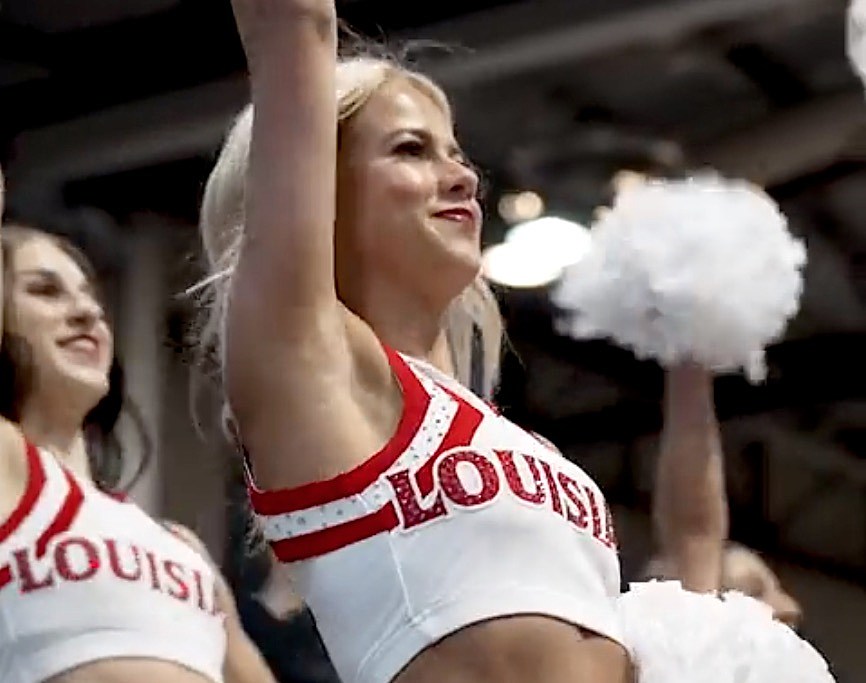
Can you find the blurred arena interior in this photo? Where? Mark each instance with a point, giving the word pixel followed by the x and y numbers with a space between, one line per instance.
pixel 112 112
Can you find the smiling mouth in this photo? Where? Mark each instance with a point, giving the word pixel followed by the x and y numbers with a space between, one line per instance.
pixel 457 215
pixel 82 344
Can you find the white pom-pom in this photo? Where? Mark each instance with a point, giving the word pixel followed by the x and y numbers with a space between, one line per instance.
pixel 856 37
pixel 676 636
pixel 700 270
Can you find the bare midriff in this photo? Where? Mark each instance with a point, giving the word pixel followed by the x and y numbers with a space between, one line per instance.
pixel 131 670
pixel 521 649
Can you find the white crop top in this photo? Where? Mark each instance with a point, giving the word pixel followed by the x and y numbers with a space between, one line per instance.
pixel 86 577
pixel 460 518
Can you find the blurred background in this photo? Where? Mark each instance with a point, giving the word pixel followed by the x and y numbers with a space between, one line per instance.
pixel 112 112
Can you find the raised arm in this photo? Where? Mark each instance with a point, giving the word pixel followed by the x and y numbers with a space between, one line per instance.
pixel 283 310
pixel 690 508
pixel 287 256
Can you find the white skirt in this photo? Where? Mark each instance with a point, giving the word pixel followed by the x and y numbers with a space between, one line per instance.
pixel 678 636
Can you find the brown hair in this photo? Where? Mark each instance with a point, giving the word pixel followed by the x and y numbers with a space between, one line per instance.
pixel 104 447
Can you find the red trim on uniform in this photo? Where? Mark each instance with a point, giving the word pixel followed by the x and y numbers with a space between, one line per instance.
pixel 415 404
pixel 460 433
pixel 65 517
pixel 544 441
pixel 304 547
pixel 32 490
pixel 5 576
pixel 333 538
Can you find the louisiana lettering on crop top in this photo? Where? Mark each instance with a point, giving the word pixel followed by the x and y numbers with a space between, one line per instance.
pixel 461 517
pixel 86 577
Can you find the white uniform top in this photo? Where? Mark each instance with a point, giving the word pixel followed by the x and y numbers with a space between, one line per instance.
pixel 460 518
pixel 86 577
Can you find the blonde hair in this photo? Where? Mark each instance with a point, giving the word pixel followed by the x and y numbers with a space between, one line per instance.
pixel 474 312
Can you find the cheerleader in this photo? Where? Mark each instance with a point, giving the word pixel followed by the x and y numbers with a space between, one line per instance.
pixel 432 539
pixel 91 588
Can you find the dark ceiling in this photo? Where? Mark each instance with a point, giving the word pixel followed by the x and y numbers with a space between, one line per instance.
pixel 120 105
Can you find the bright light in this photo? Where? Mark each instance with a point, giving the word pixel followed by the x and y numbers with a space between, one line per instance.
pixel 563 242
pixel 508 265
pixel 520 206
pixel 535 253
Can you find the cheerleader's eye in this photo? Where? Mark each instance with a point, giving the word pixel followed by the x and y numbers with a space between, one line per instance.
pixel 411 148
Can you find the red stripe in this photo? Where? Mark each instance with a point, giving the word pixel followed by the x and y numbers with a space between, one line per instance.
pixel 5 576
pixel 415 404
pixel 335 537
pixel 65 517
pixel 32 490
pixel 460 433
pixel 547 443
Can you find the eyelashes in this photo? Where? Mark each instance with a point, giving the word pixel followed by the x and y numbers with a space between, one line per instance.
pixel 411 148
pixel 419 149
